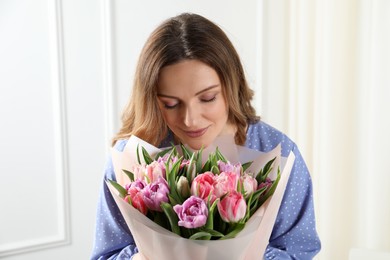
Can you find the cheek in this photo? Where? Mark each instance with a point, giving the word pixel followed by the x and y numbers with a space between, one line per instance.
pixel 218 112
pixel 169 117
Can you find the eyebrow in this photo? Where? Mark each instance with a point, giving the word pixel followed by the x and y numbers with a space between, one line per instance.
pixel 196 94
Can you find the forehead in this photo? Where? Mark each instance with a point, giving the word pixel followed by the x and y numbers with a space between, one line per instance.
pixel 187 75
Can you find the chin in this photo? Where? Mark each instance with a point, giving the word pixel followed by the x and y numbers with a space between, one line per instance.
pixel 197 145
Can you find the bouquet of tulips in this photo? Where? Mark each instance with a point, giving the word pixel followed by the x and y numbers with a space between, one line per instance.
pixel 196 200
pixel 192 195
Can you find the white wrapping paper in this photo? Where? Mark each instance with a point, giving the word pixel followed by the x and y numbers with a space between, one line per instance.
pixel 156 242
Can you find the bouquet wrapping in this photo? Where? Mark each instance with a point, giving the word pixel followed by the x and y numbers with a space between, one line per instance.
pixel 157 242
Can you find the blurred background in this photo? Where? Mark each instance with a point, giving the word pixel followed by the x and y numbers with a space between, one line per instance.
pixel 320 70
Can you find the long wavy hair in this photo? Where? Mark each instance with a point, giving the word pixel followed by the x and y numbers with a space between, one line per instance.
pixel 185 37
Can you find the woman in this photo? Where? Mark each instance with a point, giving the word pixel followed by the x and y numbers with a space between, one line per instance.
pixel 190 87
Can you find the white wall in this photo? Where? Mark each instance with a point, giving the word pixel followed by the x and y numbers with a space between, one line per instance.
pixel 52 127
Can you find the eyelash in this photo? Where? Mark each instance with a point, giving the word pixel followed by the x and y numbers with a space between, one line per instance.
pixel 209 100
pixel 202 100
pixel 170 107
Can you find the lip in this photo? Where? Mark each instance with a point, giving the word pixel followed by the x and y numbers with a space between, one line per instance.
pixel 196 133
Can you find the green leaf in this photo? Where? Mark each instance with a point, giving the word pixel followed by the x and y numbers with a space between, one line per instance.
pixel 206 166
pixel 241 188
pixel 191 169
pixel 214 169
pixel 236 228
pixel 202 235
pixel 219 156
pixel 212 232
pixel 198 160
pixel 271 190
pixel 210 218
pixel 186 153
pixel 263 174
pixel 138 158
pixel 171 177
pixel 146 155
pixel 129 174
pixel 162 153
pixel 173 199
pixel 258 193
pixel 172 217
pixel 245 166
pixel 253 202
pixel 214 159
pixel 122 191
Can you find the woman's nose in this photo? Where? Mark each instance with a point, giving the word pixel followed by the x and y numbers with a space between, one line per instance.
pixel 190 116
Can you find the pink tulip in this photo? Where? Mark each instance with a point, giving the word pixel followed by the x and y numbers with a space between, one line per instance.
pixel 139 171
pixel 203 186
pixel 249 183
pixel 156 193
pixel 193 213
pixel 135 197
pixel 155 170
pixel 225 182
pixel 232 208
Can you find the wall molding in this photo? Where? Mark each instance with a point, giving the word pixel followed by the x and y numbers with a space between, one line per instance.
pixel 108 68
pixel 61 150
pixel 258 88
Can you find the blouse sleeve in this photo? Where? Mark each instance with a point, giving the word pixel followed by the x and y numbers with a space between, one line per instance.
pixel 294 235
pixel 113 239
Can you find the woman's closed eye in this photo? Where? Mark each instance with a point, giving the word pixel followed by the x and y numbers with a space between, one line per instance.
pixel 208 99
pixel 171 105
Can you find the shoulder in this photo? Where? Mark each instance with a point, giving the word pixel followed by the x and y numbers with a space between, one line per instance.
pixel 120 145
pixel 264 137
pixel 109 167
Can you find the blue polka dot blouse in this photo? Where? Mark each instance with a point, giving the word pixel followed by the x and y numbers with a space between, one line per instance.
pixel 294 235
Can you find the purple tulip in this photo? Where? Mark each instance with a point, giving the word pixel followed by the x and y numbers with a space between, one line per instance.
pixel 267 183
pixel 229 167
pixel 193 213
pixel 137 184
pixel 155 193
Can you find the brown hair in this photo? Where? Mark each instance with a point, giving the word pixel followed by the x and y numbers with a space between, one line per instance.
pixel 186 36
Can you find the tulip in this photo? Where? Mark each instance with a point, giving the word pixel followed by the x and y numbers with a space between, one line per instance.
pixel 155 170
pixel 139 171
pixel 203 186
pixel 249 183
pixel 183 187
pixel 267 183
pixel 225 182
pixel 135 197
pixel 232 208
pixel 229 167
pixel 156 193
pixel 193 213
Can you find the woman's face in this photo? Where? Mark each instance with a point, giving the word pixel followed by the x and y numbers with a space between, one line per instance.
pixel 192 103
